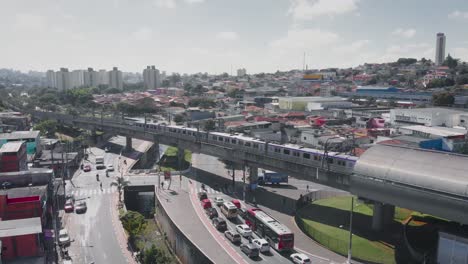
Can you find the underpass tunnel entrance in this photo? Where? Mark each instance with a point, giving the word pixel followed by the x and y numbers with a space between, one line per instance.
pixel 140 198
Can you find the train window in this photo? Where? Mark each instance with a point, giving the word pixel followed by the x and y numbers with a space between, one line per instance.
pixel 277 150
pixel 233 141
pixel 247 144
pixel 316 157
pixel 330 160
pixel 295 154
pixel 220 138
pixel 226 140
pixel 255 145
pixel 214 137
pixel 184 132
pixel 306 156
pixel 286 151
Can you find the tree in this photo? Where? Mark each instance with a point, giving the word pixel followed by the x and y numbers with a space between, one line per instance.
pixel 166 83
pixel 202 103
pixel 406 61
pixel 133 222
pixel 47 127
pixel 450 62
pixel 121 183
pixel 178 119
pixel 155 255
pixel 112 91
pixel 210 125
pixel 438 83
pixel 462 79
pixel 443 99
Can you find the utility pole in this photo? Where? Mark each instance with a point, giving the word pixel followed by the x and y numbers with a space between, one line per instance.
pixel 243 180
pixel 350 230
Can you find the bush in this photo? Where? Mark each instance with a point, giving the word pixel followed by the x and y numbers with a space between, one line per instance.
pixel 133 222
pixel 155 255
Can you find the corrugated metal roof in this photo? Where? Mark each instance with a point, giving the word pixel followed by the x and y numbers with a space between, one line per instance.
pixel 20 227
pixel 13 146
pixel 433 170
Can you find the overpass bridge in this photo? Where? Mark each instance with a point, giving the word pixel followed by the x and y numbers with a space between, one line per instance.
pixel 430 182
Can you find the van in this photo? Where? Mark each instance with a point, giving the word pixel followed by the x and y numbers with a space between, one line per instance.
pixel 206 203
pixel 219 224
pixel 250 250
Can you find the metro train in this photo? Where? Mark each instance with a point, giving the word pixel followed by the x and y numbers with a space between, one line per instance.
pixel 335 162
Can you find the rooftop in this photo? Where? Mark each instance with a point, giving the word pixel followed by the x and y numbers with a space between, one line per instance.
pixel 437 131
pixel 20 192
pixel 20 135
pixel 9 147
pixel 20 227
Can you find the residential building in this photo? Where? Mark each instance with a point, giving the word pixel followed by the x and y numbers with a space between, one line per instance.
pixel 31 137
pixel 115 79
pixel 103 77
pixel 13 157
pixel 51 79
pixel 91 78
pixel 440 49
pixel 241 72
pixel 302 103
pixel 77 78
pixel 12 121
pixel 63 79
pixel 151 78
pixel 21 238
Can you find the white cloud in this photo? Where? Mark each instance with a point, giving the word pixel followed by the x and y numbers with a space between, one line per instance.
pixel 310 9
pixel 143 33
pixel 353 47
pixel 227 35
pixel 30 22
pixel 458 15
pixel 461 53
pixel 165 3
pixel 194 1
pixel 405 33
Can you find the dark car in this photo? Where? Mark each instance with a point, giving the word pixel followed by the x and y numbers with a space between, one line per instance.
pixel 250 250
pixel 211 212
pixel 242 212
pixel 202 196
pixel 7 185
pixel 220 224
pixel 81 207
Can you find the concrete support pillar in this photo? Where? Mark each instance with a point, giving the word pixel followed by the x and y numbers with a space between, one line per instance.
pixel 128 144
pixel 180 156
pixel 94 137
pixel 156 147
pixel 383 215
pixel 253 176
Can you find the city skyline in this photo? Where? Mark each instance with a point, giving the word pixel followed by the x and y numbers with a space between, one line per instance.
pixel 190 36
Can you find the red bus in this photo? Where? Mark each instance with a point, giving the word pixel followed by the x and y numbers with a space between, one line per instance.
pixel 278 235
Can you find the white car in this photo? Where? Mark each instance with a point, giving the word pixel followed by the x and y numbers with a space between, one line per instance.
pixel 244 230
pixel 262 245
pixel 219 201
pixel 64 238
pixel 300 258
pixel 110 168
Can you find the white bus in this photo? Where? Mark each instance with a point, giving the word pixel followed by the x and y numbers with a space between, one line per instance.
pixel 229 210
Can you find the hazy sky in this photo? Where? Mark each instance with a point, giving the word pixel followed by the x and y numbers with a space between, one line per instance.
pixel 211 35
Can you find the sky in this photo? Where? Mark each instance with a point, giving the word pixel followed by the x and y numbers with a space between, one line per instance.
pixel 216 36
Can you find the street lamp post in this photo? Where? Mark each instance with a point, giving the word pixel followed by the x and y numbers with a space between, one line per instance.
pixel 350 230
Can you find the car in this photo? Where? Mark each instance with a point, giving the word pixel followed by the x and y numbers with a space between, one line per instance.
pixel 244 230
pixel 69 207
pixel 206 203
pixel 110 168
pixel 211 212
pixel 242 212
pixel 219 201
pixel 219 223
pixel 87 168
pixel 202 196
pixel 250 250
pixel 7 185
pixel 300 258
pixel 64 238
pixel 81 207
pixel 232 236
pixel 236 203
pixel 262 245
pixel 100 167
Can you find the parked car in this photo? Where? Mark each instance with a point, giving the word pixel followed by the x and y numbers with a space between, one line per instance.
pixel 81 207
pixel 262 245
pixel 110 168
pixel 202 196
pixel 211 212
pixel 250 250
pixel 244 230
pixel 220 224
pixel 206 203
pixel 232 236
pixel 87 168
pixel 64 238
pixel 300 258
pixel 69 207
pixel 219 201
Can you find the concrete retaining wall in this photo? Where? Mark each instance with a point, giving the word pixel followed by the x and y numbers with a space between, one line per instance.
pixel 185 250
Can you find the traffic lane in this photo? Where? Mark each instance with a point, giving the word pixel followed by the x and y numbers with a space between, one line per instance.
pixel 272 257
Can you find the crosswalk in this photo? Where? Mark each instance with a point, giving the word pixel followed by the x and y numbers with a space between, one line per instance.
pixel 213 191
pixel 91 192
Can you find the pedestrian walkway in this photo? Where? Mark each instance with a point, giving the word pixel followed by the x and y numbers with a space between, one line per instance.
pixel 91 192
